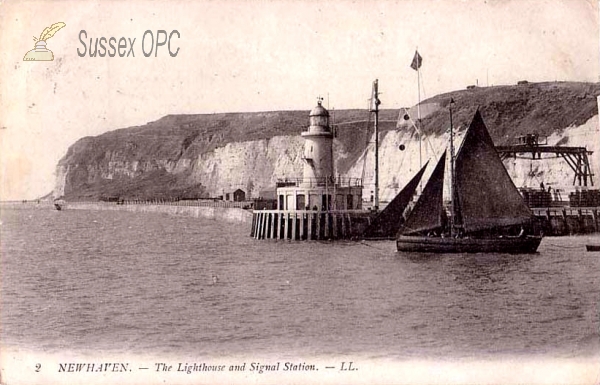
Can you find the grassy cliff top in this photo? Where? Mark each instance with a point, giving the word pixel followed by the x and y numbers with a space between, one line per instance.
pixel 508 111
pixel 511 111
pixel 176 136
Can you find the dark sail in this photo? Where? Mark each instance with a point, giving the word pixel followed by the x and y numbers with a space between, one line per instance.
pixel 427 213
pixel 387 223
pixel 486 194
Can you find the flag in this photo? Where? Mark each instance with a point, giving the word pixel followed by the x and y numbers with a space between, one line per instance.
pixel 417 61
pixel 374 99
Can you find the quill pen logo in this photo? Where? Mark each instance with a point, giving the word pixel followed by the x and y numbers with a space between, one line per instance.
pixel 40 52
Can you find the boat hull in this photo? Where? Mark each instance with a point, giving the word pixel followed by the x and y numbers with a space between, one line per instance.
pixel 521 245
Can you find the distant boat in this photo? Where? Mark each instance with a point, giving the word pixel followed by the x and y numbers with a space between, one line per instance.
pixel 487 212
pixel 59 204
pixel 592 247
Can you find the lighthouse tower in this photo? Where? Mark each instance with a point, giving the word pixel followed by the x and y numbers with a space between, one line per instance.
pixel 319 188
pixel 319 204
pixel 318 148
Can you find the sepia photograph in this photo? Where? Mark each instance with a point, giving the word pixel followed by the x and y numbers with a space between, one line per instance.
pixel 300 192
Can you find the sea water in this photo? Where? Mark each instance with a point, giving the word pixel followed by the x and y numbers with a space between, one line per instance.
pixel 123 283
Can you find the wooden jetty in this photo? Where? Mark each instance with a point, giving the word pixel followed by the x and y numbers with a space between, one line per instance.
pixel 568 220
pixel 309 224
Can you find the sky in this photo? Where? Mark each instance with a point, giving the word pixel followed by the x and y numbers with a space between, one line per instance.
pixel 238 56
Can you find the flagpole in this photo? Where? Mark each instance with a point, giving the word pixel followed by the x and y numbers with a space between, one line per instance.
pixel 452 187
pixel 419 113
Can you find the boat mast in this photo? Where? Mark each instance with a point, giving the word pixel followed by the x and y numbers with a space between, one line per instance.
pixel 452 187
pixel 334 177
pixel 416 65
pixel 375 109
pixel 419 115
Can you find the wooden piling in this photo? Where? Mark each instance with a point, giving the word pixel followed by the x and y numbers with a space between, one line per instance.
pixel 252 229
pixel 318 233
pixel 281 225
pixel 564 215
pixel 349 224
pixel 286 233
pixel 335 226
pixel 294 226
pixel 265 223
pixel 257 226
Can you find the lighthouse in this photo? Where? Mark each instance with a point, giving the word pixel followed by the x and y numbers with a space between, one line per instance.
pixel 319 188
pixel 320 204
pixel 318 148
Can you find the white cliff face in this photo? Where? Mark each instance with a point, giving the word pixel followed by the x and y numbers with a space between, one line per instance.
pixel 61 180
pixel 397 167
pixel 114 165
pixel 255 166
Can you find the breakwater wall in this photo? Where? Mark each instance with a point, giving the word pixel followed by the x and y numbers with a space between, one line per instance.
pixel 217 212
pixel 271 224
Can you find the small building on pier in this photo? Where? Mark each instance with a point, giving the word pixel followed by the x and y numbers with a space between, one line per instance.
pixel 236 196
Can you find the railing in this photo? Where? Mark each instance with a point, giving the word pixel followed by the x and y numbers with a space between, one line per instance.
pixel 191 202
pixel 36 202
pixel 564 211
pixel 356 211
pixel 323 181
pixel 159 202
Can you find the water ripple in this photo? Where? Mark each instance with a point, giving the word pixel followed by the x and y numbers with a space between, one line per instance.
pixel 120 281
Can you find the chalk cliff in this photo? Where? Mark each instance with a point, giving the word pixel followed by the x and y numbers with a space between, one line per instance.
pixel 189 156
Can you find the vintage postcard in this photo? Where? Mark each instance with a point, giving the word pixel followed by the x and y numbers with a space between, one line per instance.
pixel 299 192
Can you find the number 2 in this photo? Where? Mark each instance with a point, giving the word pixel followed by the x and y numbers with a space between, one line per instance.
pixel 38 367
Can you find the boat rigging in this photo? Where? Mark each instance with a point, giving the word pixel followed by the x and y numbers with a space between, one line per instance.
pixel 487 210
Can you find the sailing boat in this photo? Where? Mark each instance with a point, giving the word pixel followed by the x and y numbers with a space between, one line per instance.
pixel 487 211
pixel 59 204
pixel 386 224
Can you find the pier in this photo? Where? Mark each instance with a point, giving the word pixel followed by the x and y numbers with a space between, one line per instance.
pixel 568 220
pixel 321 225
pixel 309 224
